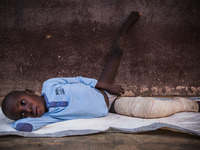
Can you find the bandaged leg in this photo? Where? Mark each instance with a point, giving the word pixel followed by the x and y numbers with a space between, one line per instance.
pixel 147 107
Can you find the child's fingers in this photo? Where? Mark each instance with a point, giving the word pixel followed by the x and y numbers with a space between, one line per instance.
pixel 122 90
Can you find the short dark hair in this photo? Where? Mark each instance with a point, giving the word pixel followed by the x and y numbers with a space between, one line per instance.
pixel 12 95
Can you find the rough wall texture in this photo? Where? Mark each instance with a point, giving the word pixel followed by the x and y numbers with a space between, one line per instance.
pixel 63 38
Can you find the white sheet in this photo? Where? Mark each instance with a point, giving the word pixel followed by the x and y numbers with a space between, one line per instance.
pixel 188 122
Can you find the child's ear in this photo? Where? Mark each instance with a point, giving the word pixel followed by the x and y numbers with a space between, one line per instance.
pixel 29 91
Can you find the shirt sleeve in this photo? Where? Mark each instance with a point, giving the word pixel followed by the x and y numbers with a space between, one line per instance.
pixel 87 81
pixel 32 124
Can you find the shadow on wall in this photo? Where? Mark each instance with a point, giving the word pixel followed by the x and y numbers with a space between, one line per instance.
pixel 45 39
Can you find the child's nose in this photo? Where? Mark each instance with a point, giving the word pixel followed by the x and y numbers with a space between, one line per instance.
pixel 28 109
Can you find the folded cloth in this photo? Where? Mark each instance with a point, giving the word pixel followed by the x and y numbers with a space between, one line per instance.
pixel 188 122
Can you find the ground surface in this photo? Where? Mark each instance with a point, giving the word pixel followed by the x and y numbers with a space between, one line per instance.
pixel 160 139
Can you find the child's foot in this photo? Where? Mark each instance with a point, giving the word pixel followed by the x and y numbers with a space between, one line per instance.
pixel 132 18
pixel 119 41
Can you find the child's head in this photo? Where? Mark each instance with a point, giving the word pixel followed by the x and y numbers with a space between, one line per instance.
pixel 22 104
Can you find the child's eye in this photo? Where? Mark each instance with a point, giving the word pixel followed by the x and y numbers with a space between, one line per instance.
pixel 22 115
pixel 22 102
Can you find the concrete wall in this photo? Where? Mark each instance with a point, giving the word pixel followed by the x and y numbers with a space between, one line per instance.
pixel 64 38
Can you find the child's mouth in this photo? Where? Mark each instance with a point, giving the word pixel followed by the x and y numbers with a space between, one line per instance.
pixel 36 112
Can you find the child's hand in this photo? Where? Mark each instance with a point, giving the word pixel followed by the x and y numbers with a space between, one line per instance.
pixel 111 88
pixel 115 90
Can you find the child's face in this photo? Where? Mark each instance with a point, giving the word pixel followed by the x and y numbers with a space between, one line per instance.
pixel 27 105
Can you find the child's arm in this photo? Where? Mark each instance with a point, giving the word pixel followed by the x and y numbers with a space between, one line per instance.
pixel 79 79
pixel 111 88
pixel 71 80
pixel 32 124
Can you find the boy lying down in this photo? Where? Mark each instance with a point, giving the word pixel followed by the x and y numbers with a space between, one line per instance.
pixel 82 98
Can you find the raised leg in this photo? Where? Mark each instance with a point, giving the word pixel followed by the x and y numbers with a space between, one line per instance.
pixel 110 71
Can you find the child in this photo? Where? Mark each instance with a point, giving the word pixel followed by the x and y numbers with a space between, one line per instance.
pixel 76 98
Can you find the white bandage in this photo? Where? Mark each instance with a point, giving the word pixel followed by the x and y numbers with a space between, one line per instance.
pixel 147 107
